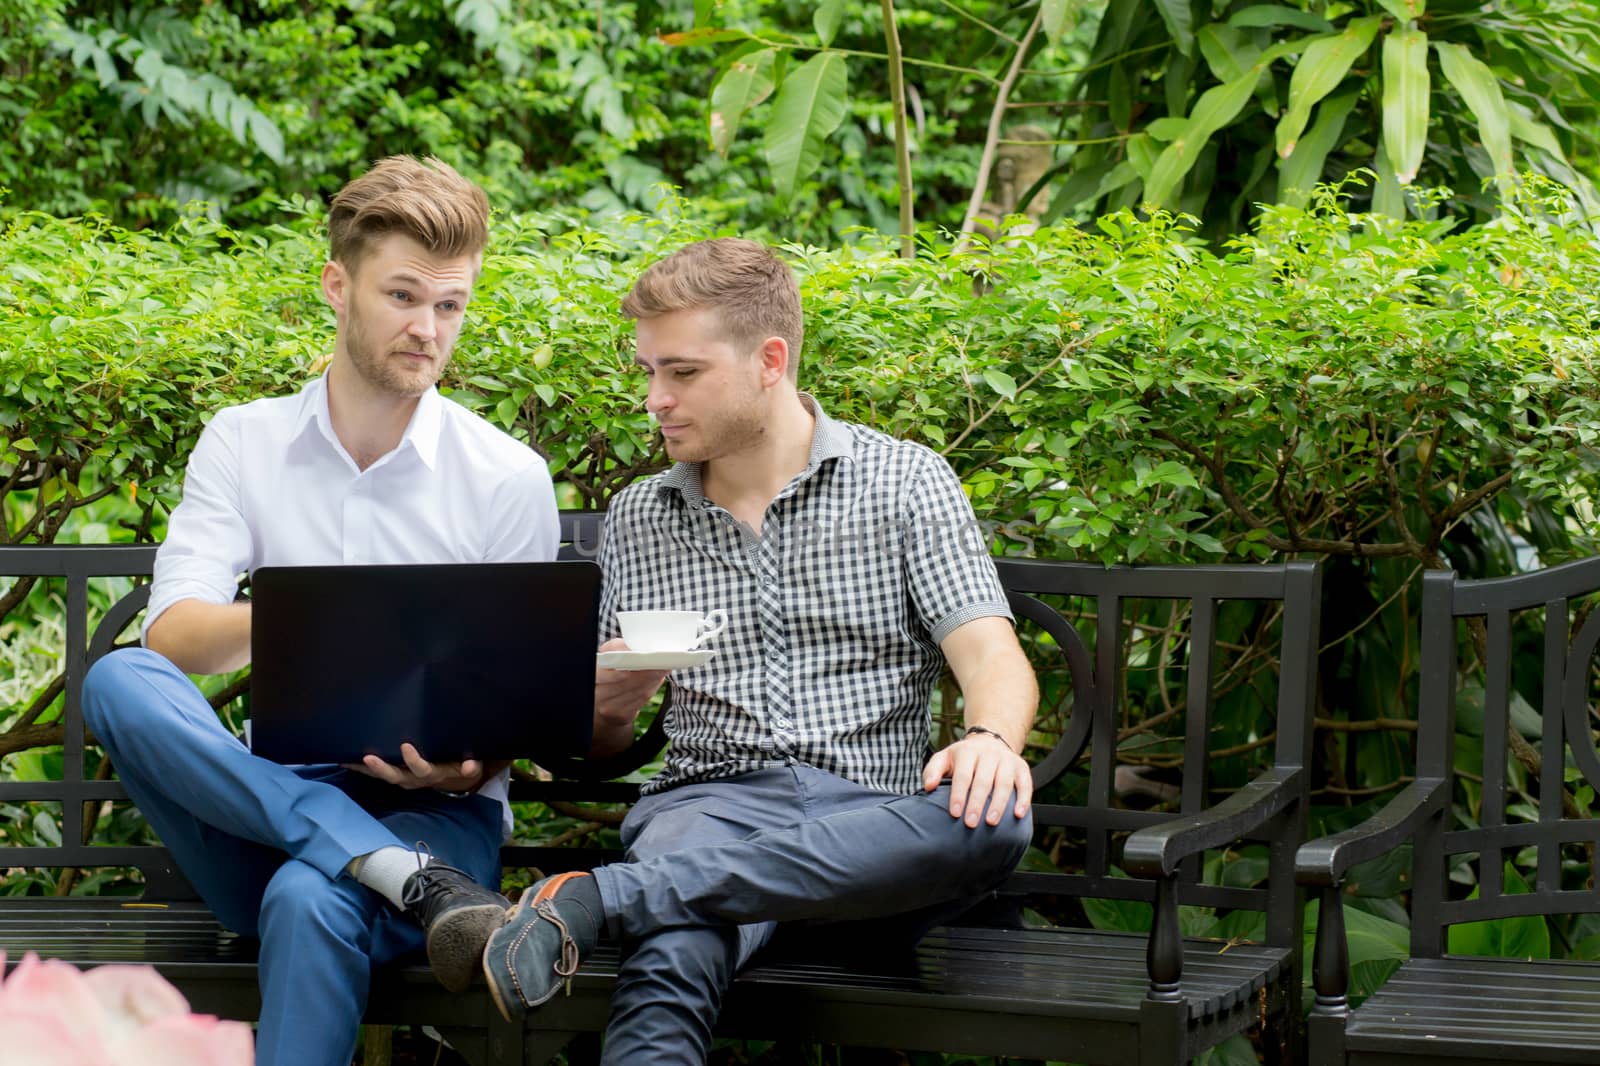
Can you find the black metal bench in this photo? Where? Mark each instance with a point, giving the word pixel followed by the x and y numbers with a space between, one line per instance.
pixel 1535 635
pixel 988 985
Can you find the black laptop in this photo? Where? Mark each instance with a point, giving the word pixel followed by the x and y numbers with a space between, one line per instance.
pixel 479 660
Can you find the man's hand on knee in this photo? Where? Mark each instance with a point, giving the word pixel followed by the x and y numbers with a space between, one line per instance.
pixel 464 776
pixel 981 768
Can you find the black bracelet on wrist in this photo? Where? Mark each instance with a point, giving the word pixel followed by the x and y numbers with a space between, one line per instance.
pixel 971 729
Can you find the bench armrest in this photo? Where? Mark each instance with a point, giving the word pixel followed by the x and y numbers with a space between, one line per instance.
pixel 1324 862
pixel 1156 852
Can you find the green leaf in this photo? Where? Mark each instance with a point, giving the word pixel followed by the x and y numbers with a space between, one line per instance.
pixel 1119 102
pixel 1526 128
pixel 1268 15
pixel 746 82
pixel 1175 13
pixel 1053 14
pixel 1481 90
pixel 267 136
pixel 703 35
pixel 1001 382
pixel 1321 68
pixel 809 107
pixel 1389 196
pixel 1405 100
pixel 1299 174
pixel 1227 51
pixel 1217 107
pixel 1405 10
pixel 1527 937
pixel 829 15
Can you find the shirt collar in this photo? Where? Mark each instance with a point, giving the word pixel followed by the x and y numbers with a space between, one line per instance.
pixel 829 440
pixel 422 432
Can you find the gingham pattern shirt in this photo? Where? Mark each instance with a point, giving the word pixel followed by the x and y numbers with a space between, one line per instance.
pixel 866 561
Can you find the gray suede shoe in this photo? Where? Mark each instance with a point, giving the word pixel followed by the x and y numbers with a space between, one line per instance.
pixel 537 950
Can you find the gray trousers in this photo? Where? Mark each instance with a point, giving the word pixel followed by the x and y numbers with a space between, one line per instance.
pixel 713 867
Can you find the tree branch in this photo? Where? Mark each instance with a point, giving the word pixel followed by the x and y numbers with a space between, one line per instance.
pixel 996 118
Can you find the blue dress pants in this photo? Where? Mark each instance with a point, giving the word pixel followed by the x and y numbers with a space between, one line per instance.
pixel 713 867
pixel 266 847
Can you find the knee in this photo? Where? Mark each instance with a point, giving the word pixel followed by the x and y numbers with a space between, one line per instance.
pixel 108 684
pixel 993 851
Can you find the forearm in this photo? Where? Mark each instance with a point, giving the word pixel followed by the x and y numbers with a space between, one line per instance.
pixel 203 638
pixel 997 682
pixel 1004 701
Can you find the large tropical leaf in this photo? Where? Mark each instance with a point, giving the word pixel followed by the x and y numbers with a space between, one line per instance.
pixel 1481 90
pixel 1405 100
pixel 1180 23
pixel 743 84
pixel 1217 107
pixel 1405 10
pixel 809 107
pixel 1299 174
pixel 1267 15
pixel 1321 68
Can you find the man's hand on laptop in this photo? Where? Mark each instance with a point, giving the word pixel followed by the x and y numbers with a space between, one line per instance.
pixel 619 695
pixel 418 772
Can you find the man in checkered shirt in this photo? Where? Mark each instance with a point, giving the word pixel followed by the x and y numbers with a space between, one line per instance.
pixel 799 785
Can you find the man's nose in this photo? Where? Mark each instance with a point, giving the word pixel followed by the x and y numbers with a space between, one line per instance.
pixel 422 324
pixel 658 398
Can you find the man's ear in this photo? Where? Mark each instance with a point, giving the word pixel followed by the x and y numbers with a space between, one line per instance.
pixel 774 355
pixel 335 286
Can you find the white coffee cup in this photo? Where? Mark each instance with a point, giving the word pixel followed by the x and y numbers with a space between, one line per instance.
pixel 655 631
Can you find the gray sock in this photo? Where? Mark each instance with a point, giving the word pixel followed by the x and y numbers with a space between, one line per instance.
pixel 385 871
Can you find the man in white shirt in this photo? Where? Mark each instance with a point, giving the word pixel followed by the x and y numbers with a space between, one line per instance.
pixel 334 868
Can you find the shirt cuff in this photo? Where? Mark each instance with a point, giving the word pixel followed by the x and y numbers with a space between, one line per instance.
pixel 962 615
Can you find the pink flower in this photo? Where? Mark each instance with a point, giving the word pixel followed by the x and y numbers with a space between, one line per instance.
pixel 53 1015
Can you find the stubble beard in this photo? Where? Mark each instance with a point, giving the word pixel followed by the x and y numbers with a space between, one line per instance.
pixel 381 369
pixel 727 434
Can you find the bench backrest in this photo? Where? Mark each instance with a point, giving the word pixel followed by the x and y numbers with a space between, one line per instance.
pixel 1535 635
pixel 1166 623
pixel 1088 627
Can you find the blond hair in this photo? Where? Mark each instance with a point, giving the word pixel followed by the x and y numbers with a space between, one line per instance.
pixel 425 200
pixel 752 291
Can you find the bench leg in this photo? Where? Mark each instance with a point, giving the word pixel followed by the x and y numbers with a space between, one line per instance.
pixel 1325 1039
pixel 1283 1038
pixel 1163 1033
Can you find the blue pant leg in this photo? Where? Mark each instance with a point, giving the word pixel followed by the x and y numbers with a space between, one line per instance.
pixel 671 982
pixel 179 763
pixel 321 937
pixel 888 855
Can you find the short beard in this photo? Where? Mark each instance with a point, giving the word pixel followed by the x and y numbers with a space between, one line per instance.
pixel 378 370
pixel 731 432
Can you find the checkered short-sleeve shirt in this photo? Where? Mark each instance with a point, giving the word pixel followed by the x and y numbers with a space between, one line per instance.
pixel 866 561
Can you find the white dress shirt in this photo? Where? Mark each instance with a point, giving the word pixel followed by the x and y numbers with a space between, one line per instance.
pixel 269 484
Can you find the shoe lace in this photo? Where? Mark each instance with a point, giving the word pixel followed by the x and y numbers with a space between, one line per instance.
pixel 567 964
pixel 431 876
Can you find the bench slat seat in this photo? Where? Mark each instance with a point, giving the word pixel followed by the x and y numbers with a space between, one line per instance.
pixel 1486 1010
pixel 1057 974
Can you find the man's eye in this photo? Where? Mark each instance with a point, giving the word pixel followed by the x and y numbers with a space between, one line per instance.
pixel 683 375
pixel 449 307
pixel 400 294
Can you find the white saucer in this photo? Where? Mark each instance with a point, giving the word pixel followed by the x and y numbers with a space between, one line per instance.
pixel 652 660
